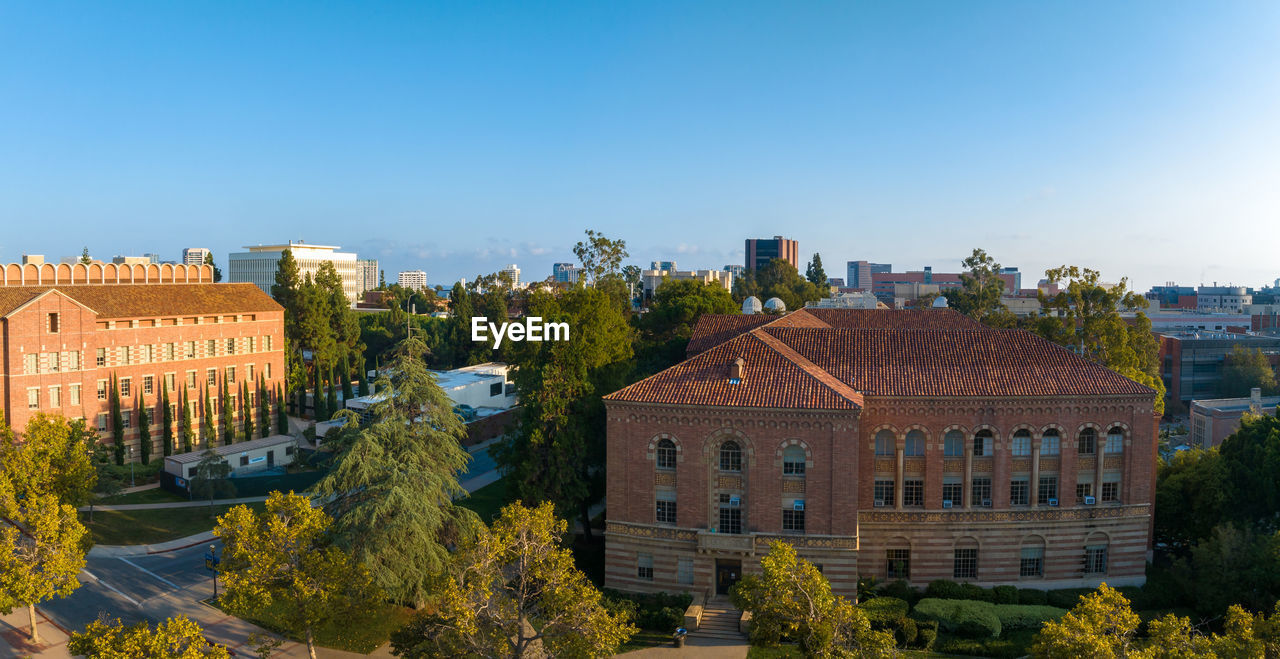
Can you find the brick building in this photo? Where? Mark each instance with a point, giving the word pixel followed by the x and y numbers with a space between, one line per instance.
pixel 760 251
pixel 895 444
pixel 63 343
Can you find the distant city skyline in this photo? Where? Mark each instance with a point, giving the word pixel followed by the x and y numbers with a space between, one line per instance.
pixel 1137 138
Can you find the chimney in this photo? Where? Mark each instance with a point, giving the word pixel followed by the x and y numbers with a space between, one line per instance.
pixel 735 371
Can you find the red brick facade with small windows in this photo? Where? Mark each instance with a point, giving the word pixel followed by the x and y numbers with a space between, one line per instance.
pixel 62 343
pixel 946 398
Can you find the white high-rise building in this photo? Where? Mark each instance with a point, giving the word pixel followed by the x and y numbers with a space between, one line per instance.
pixel 259 264
pixel 513 273
pixel 368 269
pixel 414 280
pixel 194 255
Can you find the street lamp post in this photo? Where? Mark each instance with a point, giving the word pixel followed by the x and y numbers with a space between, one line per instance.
pixel 131 482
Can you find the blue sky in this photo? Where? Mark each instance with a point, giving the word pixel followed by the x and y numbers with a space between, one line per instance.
pixel 1138 138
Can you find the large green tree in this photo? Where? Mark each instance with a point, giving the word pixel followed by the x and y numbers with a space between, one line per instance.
pixel 515 592
pixel 144 430
pixel 117 421
pixel 601 257
pixel 665 330
pixel 42 549
pixel 393 483
pixel 175 638
pixel 188 430
pixel 217 272
pixel 166 418
pixel 208 427
pixel 815 274
pixel 980 291
pixel 1244 369
pixel 54 457
pixel 778 278
pixel 212 477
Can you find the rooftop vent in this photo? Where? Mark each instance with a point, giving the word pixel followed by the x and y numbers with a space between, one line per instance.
pixel 735 370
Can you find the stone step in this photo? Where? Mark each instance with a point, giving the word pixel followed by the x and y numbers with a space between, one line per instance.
pixel 723 634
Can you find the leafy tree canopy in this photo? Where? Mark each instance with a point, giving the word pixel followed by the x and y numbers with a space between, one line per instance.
pixel 175 638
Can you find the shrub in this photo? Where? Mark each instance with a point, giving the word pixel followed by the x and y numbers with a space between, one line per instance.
pixel 1015 616
pixel 998 648
pixel 883 611
pixel 1067 598
pixel 963 617
pixel 1032 596
pixel 666 619
pixel 901 590
pixel 927 638
pixel 1005 594
pixel 905 631
pixel 944 589
pixel 662 612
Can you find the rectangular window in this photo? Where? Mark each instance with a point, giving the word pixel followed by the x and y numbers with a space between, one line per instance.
pixel 266 342
pixel 30 363
pixel 1032 562
pixel 981 491
pixel 684 570
pixel 248 373
pixel 231 374
pixel 148 353
pixel 211 377
pixel 74 395
pixel 266 370
pixel 913 493
pixel 102 389
pixel 73 360
pixel 730 519
pixel 1110 491
pixel 169 379
pixel 126 355
pixel 884 493
pixel 966 564
pixel 495 389
pixel 981 446
pixel 127 418
pixel 126 388
pixel 211 348
pixel 793 465
pixel 1095 560
pixel 1048 489
pixel 666 512
pixel 54 360
pixel 899 563
pixel 1083 490
pixel 1019 492
pixel 53 323
pixel 191 350
pixel 168 351
pixel 793 520
pixel 244 461
pixel 102 422
pixel 252 341
pixel 101 358
pixel 55 397
pixel 953 492
pixel 1050 445
pixel 1115 443
pixel 1088 443
pixel 33 398
pixel 148 384
pixel 231 346
pixel 644 566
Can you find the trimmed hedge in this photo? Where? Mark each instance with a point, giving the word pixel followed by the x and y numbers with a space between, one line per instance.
pixel 997 648
pixel 1067 598
pixel 901 590
pixel 662 612
pixel 1005 594
pixel 1014 616
pixel 1033 597
pixel 884 610
pixel 962 617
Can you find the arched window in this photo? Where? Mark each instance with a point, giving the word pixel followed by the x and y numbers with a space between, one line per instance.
pixel 1088 444
pixel 793 461
pixel 666 454
pixel 884 442
pixel 982 441
pixel 1050 443
pixel 1115 440
pixel 953 444
pixel 1022 443
pixel 915 443
pixel 730 456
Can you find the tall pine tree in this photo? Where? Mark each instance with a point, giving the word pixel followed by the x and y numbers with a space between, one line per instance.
pixel 117 421
pixel 282 419
pixel 208 427
pixel 331 397
pixel 246 407
pixel 264 408
pixel 228 407
pixel 166 416
pixel 144 430
pixel 188 432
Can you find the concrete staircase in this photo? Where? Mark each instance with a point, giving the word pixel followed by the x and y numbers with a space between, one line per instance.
pixel 719 621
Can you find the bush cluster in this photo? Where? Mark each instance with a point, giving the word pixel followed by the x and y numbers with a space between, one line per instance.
pixel 662 612
pixel 890 614
pixel 1020 616
pixel 965 618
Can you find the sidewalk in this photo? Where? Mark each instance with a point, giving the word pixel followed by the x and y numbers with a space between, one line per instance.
pixel 173 504
pixel 15 640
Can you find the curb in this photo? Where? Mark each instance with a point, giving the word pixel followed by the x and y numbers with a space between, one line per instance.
pixel 118 551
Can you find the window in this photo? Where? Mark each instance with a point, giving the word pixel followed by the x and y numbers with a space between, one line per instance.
pixel 231 346
pixel 1095 559
pixel 666 512
pixel 730 519
pixel 102 422
pixel 191 350
pixel 33 398
pixel 730 457
pixel 953 491
pixel 793 461
pixel 1115 440
pixel 684 570
pixel 168 381
pixel 793 520
pixel 148 384
pixel 168 351
pixel 244 461
pixel 884 443
pixel 266 372
pixel 982 443
pixel 53 323
pixel 73 395
pixel 1088 442
pixel 266 342
pixel 981 490
pixel 1022 444
pixel 1083 490
pixel 644 566
pixel 54 362
pixel 666 454
pixel 913 492
pixel 73 360
pixel 126 355
pixel 211 377
pixel 1019 492
pixel 884 493
pixel 126 387
pixel 102 389
pixel 899 563
pixel 30 363
pixel 495 389
pixel 231 374
pixel 1110 491
pixel 252 340
pixel 101 359
pixel 1032 562
pixel 953 444
pixel 1050 443
pixel 914 443
pixel 127 419
pixel 55 397
pixel 148 353
pixel 1048 489
pixel 965 564
pixel 211 348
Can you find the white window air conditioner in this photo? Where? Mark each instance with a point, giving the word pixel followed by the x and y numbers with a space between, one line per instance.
pixel 798 505
pixel 1089 501
pixel 986 503
pixel 1053 502
pixel 946 503
pixel 879 503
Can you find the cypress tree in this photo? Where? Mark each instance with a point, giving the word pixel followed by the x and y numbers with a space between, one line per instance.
pixel 117 421
pixel 347 394
pixel 187 430
pixel 282 419
pixel 364 384
pixel 264 408
pixel 246 408
pixel 166 416
pixel 317 399
pixel 208 428
pixel 144 430
pixel 331 398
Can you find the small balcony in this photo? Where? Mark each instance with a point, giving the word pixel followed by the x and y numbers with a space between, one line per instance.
pixel 726 543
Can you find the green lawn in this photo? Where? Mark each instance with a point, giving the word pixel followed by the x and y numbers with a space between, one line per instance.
pixel 145 527
pixel 363 635
pixel 154 495
pixel 646 639
pixel 488 500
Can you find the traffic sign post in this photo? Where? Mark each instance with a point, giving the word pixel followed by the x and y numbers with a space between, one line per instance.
pixel 211 564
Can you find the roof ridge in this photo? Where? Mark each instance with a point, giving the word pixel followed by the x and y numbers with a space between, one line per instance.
pixel 831 381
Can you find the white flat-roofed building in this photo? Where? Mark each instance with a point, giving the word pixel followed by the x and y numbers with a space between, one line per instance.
pixel 415 280
pixel 258 266
pixel 245 458
pixel 195 255
pixel 513 273
pixel 480 386
pixel 651 279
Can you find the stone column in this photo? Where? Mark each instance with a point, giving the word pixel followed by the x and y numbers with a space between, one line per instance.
pixel 968 473
pixel 1035 471
pixel 897 479
pixel 1097 474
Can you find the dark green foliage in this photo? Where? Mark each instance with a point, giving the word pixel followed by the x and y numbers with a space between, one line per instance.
pixel 1244 369
pixel 144 431
pixel 815 274
pixel 264 407
pixel 247 411
pixel 347 393
pixel 901 590
pixel 207 426
pixel 364 385
pixel 974 592
pixel 993 648
pixel 665 330
pixel 1005 594
pixel 117 421
pixel 1017 616
pixel 228 412
pixel 282 419
pixel 905 632
pixel 188 431
pixel 779 279
pixel 331 398
pixel 927 637
pixel 166 416
pixel 322 411
pixel 1066 598
pixel 1033 596
pixel 962 617
pixel 944 589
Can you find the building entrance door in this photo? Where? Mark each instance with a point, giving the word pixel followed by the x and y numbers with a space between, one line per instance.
pixel 271 459
pixel 727 574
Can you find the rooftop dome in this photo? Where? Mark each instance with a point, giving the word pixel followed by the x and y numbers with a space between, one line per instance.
pixel 940 302
pixel 751 305
pixel 775 304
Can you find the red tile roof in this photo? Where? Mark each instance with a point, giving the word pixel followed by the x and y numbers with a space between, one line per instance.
pixel 148 300
pixel 714 329
pixel 832 368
